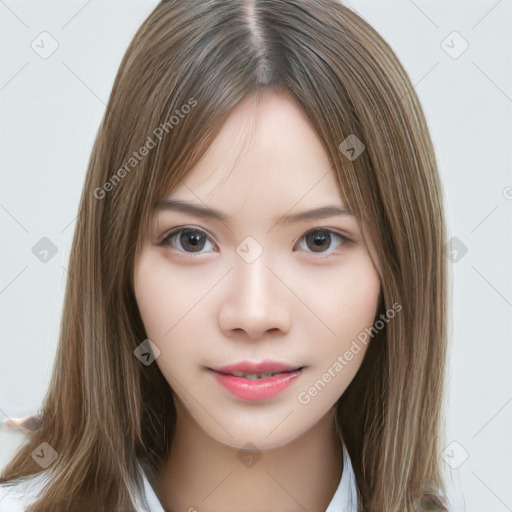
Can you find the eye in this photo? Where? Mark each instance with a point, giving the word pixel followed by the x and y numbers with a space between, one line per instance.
pixel 321 238
pixel 191 240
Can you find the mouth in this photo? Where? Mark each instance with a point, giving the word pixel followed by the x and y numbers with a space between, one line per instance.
pixel 258 375
pixel 255 370
pixel 256 381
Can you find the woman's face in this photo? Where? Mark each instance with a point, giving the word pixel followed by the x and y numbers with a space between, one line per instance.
pixel 248 292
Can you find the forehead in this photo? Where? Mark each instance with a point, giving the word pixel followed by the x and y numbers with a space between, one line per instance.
pixel 264 150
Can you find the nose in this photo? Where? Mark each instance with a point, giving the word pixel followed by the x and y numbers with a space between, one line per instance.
pixel 257 301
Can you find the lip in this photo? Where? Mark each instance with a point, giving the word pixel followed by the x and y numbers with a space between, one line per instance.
pixel 260 389
pixel 257 367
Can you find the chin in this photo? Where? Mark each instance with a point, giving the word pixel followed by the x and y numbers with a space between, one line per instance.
pixel 251 441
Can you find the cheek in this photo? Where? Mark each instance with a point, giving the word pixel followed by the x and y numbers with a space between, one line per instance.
pixel 350 301
pixel 162 295
pixel 150 296
pixel 362 300
pixel 167 308
pixel 352 310
pixel 158 302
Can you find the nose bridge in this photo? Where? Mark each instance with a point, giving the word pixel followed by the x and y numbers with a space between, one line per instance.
pixel 252 272
pixel 255 302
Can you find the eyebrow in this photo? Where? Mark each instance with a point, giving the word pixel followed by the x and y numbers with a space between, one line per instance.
pixel 323 212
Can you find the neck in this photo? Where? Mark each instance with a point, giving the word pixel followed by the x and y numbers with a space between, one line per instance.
pixel 204 475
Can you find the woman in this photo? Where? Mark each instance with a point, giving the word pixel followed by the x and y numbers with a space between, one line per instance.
pixel 213 356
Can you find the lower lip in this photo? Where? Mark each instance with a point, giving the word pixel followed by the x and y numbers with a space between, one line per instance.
pixel 260 389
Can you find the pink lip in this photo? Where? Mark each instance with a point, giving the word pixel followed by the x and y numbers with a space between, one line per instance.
pixel 261 389
pixel 260 367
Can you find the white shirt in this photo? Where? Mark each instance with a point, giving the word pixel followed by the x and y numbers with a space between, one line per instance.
pixel 15 498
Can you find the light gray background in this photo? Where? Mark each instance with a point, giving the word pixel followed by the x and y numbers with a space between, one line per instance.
pixel 50 112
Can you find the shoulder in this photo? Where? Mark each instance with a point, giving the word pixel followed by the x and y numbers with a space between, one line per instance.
pixel 15 497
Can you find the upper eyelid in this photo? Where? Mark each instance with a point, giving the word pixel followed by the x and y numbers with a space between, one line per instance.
pixel 178 229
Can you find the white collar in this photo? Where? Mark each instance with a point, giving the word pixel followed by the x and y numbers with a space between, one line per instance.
pixel 344 499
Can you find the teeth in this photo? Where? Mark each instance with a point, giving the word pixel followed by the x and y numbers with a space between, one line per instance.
pixel 254 376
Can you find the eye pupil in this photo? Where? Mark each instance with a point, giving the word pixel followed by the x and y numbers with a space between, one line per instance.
pixel 319 238
pixel 193 238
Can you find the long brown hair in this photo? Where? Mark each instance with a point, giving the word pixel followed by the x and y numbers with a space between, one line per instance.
pixel 108 416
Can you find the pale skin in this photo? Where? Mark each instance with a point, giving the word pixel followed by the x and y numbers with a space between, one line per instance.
pixel 205 306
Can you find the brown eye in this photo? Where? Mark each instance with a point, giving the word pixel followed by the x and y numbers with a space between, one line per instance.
pixel 190 240
pixel 318 240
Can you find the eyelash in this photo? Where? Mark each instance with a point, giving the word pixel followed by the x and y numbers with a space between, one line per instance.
pixel 175 232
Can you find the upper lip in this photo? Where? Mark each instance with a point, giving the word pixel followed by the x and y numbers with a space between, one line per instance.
pixel 257 367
